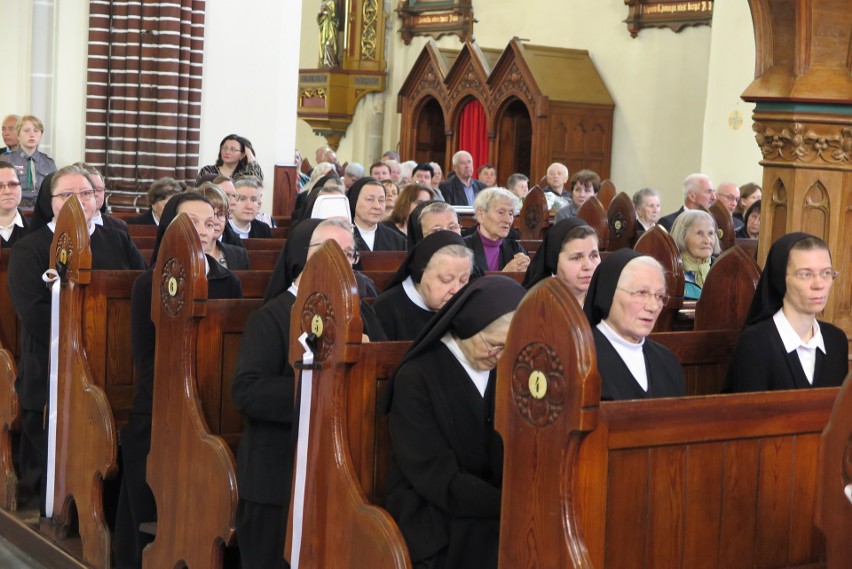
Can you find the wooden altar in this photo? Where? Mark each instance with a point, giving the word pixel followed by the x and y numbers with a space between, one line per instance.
pixel 542 105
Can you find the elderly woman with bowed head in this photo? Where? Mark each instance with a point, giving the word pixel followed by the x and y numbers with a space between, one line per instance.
pixel 445 478
pixel 433 271
pixel 751 227
pixel 783 345
pixel 694 233
pixel 625 298
pixel 493 249
pixel 570 253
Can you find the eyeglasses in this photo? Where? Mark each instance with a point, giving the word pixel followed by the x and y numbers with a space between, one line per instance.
pixel 823 275
pixel 644 295
pixel 252 199
pixel 231 149
pixel 351 254
pixel 223 215
pixel 84 195
pixel 454 227
pixel 492 350
pixel 12 186
pixel 728 197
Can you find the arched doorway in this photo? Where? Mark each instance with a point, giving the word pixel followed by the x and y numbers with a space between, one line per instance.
pixel 431 142
pixel 514 142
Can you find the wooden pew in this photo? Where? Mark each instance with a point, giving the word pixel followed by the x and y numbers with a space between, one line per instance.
pixel 594 213
pixel 728 292
pixel 274 244
pixel 718 481
pixel 142 230
pixel 191 472
pixel 340 527
pixel 9 406
pixel 621 216
pixel 724 225
pixel 534 217
pixel 381 260
pixel 9 325
pixel 657 243
pixel 86 438
pixel 834 480
pixel 607 193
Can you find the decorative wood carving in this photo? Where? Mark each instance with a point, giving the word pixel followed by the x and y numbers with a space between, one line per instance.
pixel 547 400
pixel 673 14
pixel 622 222
pixel 86 449
pixel 509 91
pixel 436 18
pixel 337 515
pixel 535 218
pixel 829 144
pixel 188 467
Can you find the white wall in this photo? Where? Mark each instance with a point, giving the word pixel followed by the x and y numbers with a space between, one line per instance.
pixel 251 64
pixel 728 154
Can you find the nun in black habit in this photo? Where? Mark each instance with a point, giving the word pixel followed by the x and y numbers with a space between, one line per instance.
pixel 622 306
pixel 264 392
pixel 415 229
pixel 28 260
pixel 136 502
pixel 385 238
pixel 444 484
pixel 769 351
pixel 414 295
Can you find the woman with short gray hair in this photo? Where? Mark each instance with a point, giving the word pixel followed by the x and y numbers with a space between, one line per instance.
pixel 492 249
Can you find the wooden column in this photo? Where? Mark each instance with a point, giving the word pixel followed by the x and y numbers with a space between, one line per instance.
pixel 803 125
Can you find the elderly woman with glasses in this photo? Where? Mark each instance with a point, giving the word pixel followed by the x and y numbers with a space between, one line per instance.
pixel 783 345
pixel 231 257
pixel 626 295
pixel 445 477
pixel 235 159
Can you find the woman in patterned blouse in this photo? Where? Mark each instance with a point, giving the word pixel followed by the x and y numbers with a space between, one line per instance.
pixel 236 159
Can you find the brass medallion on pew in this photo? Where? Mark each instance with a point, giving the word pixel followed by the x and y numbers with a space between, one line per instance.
pixel 318 318
pixel 533 217
pixel 172 285
pixel 618 225
pixel 538 384
pixel 63 249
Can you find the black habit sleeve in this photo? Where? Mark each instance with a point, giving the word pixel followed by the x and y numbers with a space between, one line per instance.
pixel 400 318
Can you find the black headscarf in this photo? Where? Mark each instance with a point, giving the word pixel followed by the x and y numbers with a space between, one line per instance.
pixel 42 210
pixel 415 230
pixel 470 311
pixel 604 282
pixel 292 259
pixel 772 286
pixel 546 258
pixel 355 191
pixel 169 215
pixel 417 259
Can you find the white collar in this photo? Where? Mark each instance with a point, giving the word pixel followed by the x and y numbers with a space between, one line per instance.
pixel 479 378
pixel 615 338
pixel 413 295
pixel 52 225
pixel 294 289
pixel 98 219
pixel 791 339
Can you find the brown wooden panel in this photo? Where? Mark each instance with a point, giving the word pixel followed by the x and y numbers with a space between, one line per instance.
pixel 627 509
pixel 666 506
pixel 263 260
pixel 703 506
pixel 805 541
pixel 739 505
pixel 273 244
pixel 773 501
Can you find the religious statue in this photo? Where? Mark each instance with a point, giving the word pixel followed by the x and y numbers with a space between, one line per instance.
pixel 327 20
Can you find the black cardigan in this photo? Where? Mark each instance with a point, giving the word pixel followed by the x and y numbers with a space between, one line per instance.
pixel 508 249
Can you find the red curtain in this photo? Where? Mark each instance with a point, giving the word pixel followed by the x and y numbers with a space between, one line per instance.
pixel 472 134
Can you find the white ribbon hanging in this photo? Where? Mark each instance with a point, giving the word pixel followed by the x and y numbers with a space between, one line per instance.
pixel 302 452
pixel 51 277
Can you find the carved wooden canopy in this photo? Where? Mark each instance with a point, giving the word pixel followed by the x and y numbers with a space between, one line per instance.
pixel 556 93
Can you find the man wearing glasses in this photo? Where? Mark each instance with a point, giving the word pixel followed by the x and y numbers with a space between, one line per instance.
pixel 698 191
pixel 729 193
pixel 13 225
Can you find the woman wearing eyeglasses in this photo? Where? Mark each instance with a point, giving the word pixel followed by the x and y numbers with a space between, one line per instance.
pixel 29 259
pixel 446 474
pixel 625 297
pixel 783 345
pixel 13 224
pixel 235 159
pixel 229 256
